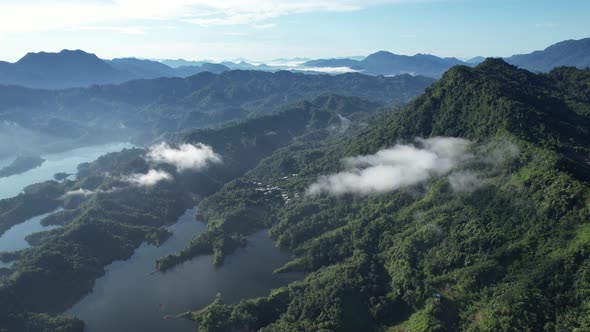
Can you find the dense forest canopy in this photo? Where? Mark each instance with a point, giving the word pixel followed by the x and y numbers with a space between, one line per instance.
pixel 500 243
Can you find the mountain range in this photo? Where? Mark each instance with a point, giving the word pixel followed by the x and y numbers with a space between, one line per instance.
pixel 575 53
pixel 142 110
pixel 68 69
pixel 389 64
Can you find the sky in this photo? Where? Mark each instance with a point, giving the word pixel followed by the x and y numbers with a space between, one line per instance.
pixel 262 30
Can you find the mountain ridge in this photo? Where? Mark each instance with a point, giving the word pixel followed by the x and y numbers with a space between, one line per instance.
pixel 572 52
pixel 76 68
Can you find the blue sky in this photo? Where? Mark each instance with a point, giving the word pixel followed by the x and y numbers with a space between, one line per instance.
pixel 266 29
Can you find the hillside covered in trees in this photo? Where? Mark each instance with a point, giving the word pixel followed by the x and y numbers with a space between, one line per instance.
pixel 497 241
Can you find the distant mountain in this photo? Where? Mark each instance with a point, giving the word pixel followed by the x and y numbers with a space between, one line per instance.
pixel 386 63
pixel 243 65
pixel 476 60
pixel 574 53
pixel 333 63
pixel 69 69
pixel 186 71
pixel 174 63
pixel 60 70
pixel 142 68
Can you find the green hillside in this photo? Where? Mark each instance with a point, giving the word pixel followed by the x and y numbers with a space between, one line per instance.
pixel 505 249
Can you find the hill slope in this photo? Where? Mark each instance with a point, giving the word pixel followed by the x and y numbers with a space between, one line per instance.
pixel 496 242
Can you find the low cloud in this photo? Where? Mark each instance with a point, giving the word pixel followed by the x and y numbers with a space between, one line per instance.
pixel 150 179
pixel 396 167
pixel 87 193
pixel 329 70
pixel 185 157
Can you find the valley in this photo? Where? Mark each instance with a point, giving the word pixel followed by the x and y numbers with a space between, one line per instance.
pixel 282 166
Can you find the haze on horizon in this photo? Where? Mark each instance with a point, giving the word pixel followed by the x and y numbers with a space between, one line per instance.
pixel 262 30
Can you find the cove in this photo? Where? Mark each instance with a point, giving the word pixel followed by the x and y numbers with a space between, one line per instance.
pixel 14 238
pixel 125 299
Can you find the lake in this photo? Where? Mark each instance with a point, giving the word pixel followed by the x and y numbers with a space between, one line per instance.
pixel 125 299
pixel 56 162
pixel 14 238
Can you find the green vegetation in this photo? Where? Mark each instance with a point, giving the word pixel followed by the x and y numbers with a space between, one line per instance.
pixel 109 219
pixel 244 145
pixel 62 265
pixel 35 200
pixel 512 254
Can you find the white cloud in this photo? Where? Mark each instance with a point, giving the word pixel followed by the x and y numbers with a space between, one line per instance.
pixel 80 192
pixel 150 179
pixel 328 70
pixel 86 192
pixel 185 157
pixel 396 167
pixel 36 15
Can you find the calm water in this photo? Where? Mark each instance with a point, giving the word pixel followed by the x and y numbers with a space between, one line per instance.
pixel 125 299
pixel 14 238
pixel 56 162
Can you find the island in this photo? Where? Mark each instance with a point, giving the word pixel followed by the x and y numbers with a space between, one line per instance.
pixel 61 176
pixel 21 164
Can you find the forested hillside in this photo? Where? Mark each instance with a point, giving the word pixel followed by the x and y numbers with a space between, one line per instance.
pixel 494 237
